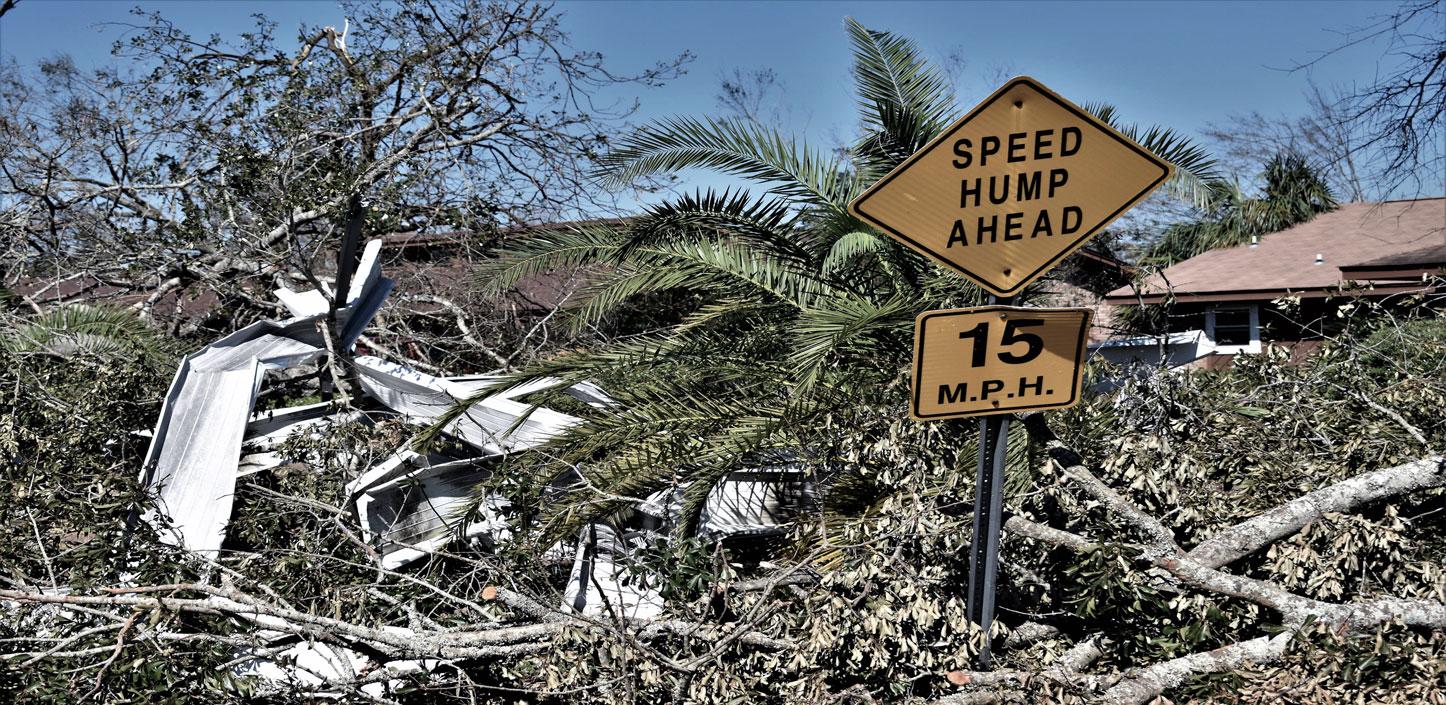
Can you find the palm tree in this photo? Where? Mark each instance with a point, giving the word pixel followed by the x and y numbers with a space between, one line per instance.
pixel 1294 192
pixel 802 323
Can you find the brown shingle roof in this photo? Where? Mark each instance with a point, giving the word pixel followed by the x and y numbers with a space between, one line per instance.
pixel 1435 254
pixel 1285 262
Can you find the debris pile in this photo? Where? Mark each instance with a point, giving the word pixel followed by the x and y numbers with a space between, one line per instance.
pixel 193 459
pixel 411 504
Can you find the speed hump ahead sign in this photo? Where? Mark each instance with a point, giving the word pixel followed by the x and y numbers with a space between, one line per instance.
pixel 1010 189
pixel 997 359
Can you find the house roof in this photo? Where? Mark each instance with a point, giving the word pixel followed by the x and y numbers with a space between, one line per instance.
pixel 1435 254
pixel 1353 241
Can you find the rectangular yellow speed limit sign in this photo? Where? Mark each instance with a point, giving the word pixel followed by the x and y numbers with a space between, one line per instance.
pixel 997 359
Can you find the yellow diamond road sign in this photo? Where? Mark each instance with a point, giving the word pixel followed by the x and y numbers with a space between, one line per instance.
pixel 1013 187
pixel 997 359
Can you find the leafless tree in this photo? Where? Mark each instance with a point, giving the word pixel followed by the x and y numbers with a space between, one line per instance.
pixel 1373 141
pixel 1398 119
pixel 224 164
pixel 754 94
pixel 1328 141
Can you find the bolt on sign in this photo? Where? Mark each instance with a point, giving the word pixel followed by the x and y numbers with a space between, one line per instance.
pixel 1009 190
pixel 996 360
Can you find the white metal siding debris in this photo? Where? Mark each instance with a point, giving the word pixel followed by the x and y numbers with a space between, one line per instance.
pixel 194 452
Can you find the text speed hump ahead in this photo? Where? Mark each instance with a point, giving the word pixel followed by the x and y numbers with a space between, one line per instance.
pixel 1013 187
pixel 997 359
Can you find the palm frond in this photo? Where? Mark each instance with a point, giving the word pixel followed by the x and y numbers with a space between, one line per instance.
pixel 625 283
pixel 896 85
pixel 763 221
pixel 717 269
pixel 565 249
pixel 732 146
pixel 1196 179
pixel 844 325
pixel 564 370
pixel 744 440
pixel 891 269
pixel 899 135
pixel 82 330
pixel 1297 186
pixel 658 356
pixel 851 246
pixel 719 311
pixel 660 461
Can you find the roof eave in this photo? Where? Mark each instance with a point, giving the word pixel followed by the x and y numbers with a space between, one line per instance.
pixel 1387 289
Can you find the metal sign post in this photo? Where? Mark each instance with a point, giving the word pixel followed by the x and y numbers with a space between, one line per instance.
pixel 992 361
pixel 988 514
pixel 1000 197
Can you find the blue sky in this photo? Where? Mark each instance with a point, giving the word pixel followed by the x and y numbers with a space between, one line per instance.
pixel 1179 64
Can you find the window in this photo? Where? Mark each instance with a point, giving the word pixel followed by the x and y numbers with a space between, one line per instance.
pixel 1232 326
pixel 1188 320
pixel 1234 329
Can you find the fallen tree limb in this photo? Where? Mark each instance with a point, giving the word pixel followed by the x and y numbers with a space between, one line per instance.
pixel 1048 534
pixel 1065 670
pixel 1253 534
pixel 1200 569
pixel 394 643
pixel 1149 682
pixel 1072 465
pixel 1030 633
pixel 1141 686
pixel 460 316
pixel 1178 565
pixel 1246 537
